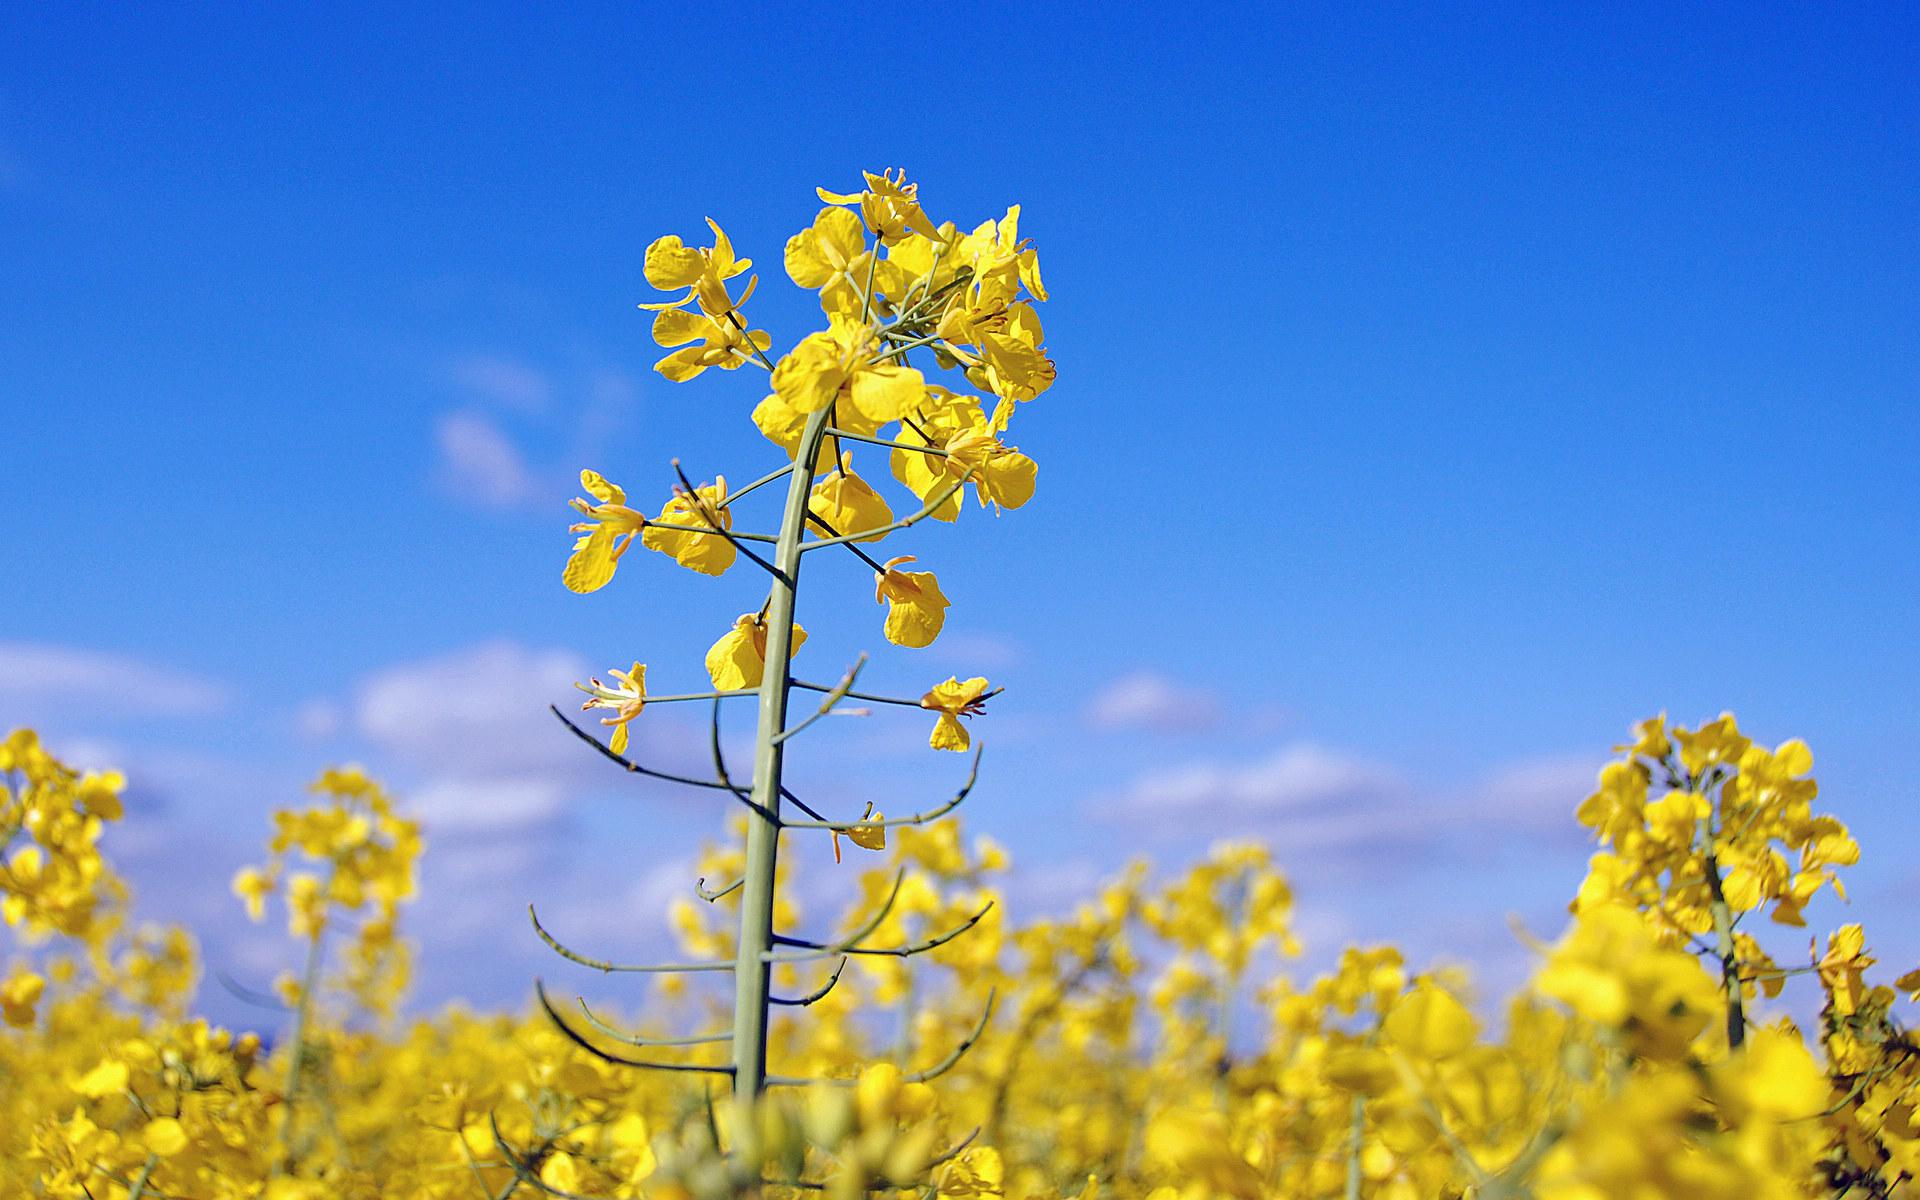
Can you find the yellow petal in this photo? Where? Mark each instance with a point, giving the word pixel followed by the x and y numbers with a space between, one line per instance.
pixel 592 563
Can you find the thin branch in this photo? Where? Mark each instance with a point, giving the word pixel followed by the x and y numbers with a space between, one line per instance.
pixel 635 1039
pixel 866 930
pixel 710 895
pixel 713 531
pixel 683 696
pixel 693 497
pixel 933 1072
pixel 862 555
pixel 628 763
pixel 814 950
pixel 926 511
pixel 623 968
pixel 804 686
pixel 764 480
pixel 834 696
pixel 246 995
pixel 935 451
pixel 573 1035
pixel 932 814
pixel 811 997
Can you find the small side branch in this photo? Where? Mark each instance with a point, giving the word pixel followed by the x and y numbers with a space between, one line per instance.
pixel 770 477
pixel 710 895
pixel 926 510
pixel 623 968
pixel 922 1076
pixel 934 451
pixel 629 764
pixel 577 1038
pixel 921 818
pixel 636 1039
pixel 815 950
pixel 813 996
pixel 692 496
pixel 866 930
pixel 834 696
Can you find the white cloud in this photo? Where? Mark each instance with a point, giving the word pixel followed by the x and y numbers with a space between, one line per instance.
pixel 1296 780
pixel 481 805
pixel 503 381
pixel 480 464
pixel 477 712
pixel 318 720
pixel 1145 700
pixel 68 677
pixel 1537 795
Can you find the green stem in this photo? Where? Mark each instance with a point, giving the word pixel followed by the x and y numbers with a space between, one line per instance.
pixel 753 974
pixel 1356 1136
pixel 297 1047
pixel 1729 956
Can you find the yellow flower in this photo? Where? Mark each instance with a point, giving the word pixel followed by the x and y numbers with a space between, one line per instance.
pixel 626 700
pixel 953 700
pixel 707 553
pixel 890 206
pixel 19 996
pixel 917 609
pixel 253 885
pixel 606 534
pixel 672 264
pixel 849 504
pixel 723 343
pixel 739 659
pixel 164 1137
pixel 874 837
pixel 1000 474
pixel 846 365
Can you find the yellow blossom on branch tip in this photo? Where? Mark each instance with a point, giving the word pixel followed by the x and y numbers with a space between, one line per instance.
pixel 707 553
pixel 848 504
pixel 917 608
pixel 890 205
pixel 739 659
pixel 605 536
pixel 626 698
pixel 953 700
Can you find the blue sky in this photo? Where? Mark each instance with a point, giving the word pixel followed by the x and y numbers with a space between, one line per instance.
pixel 1438 395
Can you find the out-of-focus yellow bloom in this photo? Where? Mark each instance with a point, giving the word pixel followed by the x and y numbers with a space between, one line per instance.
pixel 253 885
pixel 917 609
pixel 20 995
pixel 953 700
pixel 739 659
pixel 626 698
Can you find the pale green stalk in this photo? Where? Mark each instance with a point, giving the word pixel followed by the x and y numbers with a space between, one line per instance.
pixel 752 975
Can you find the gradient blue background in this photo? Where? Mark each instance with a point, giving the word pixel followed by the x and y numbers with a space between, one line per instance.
pixel 1439 393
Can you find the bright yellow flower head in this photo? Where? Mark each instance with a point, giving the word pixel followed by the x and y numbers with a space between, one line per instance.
pixel 707 553
pixel 605 536
pixel 953 700
pixel 626 699
pixel 890 206
pixel 739 659
pixel 848 504
pixel 917 608
pixel 847 366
